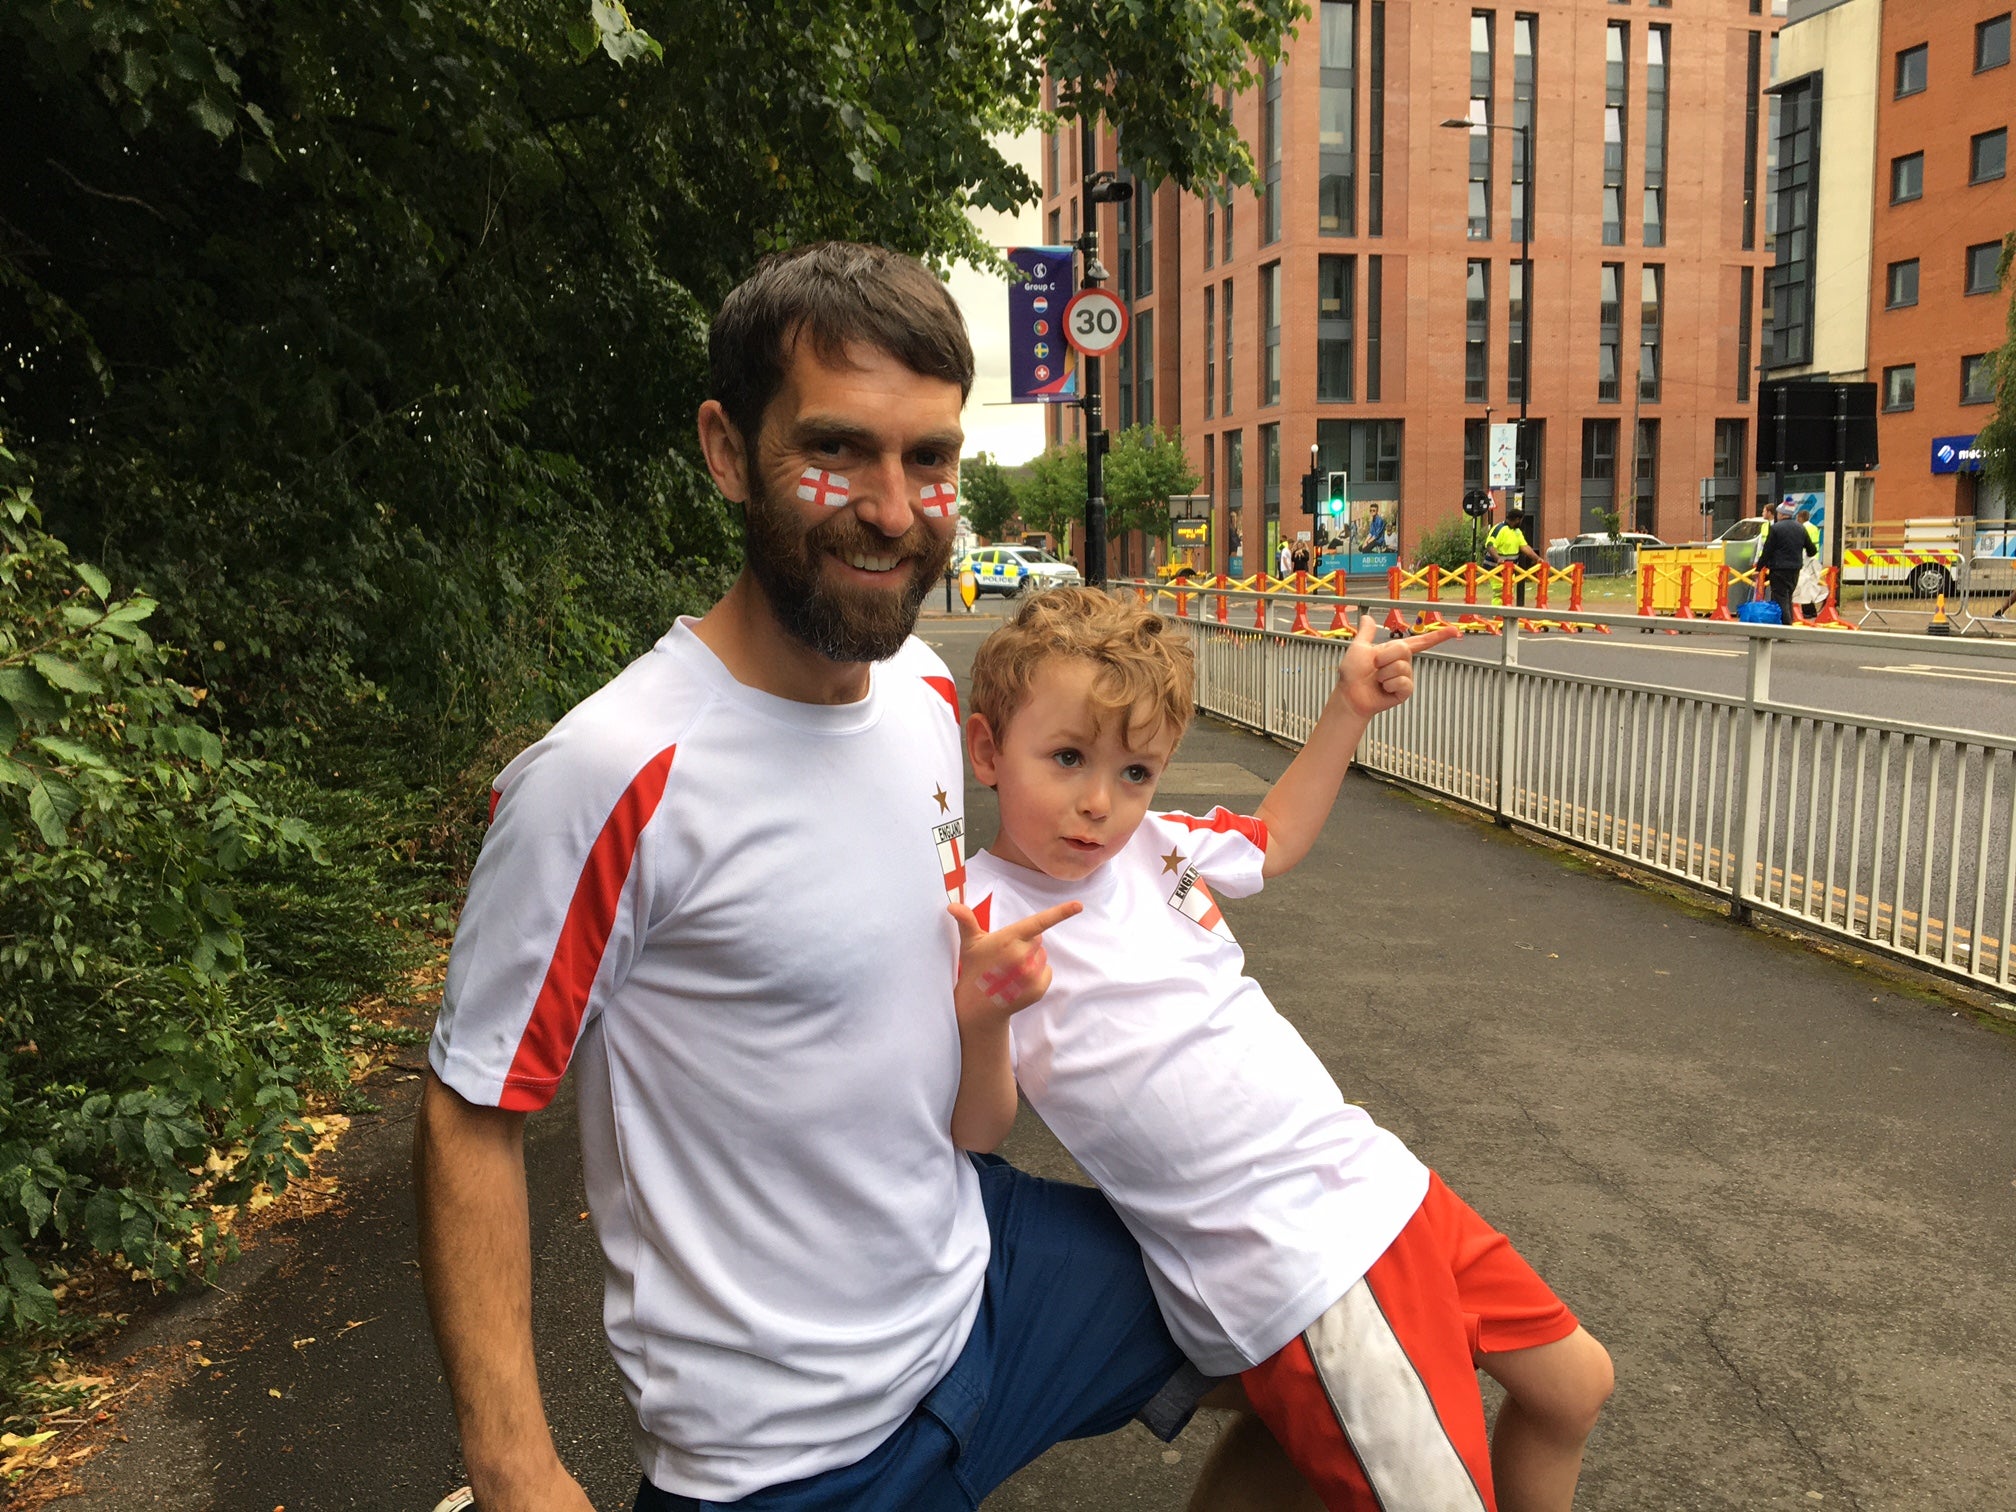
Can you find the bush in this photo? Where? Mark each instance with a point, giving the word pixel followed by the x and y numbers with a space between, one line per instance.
pixel 146 1073
pixel 1449 545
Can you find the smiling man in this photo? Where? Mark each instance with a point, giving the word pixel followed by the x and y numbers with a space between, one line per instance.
pixel 719 890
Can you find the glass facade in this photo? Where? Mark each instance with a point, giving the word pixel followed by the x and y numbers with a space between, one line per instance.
pixel 1337 122
pixel 1645 477
pixel 1481 25
pixel 1652 283
pixel 1374 304
pixel 1210 351
pixel 1515 348
pixel 1788 282
pixel 1525 42
pixel 1609 335
pixel 1270 319
pixel 1270 157
pixel 1616 102
pixel 1336 302
pixel 1658 41
pixel 1375 128
pixel 1477 333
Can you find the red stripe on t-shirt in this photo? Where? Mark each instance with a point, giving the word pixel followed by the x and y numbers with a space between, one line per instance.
pixel 1219 820
pixel 495 794
pixel 548 1041
pixel 947 691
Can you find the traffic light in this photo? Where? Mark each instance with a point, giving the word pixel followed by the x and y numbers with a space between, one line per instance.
pixel 1337 498
pixel 1309 483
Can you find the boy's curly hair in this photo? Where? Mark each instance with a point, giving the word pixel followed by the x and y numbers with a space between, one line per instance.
pixel 1147 670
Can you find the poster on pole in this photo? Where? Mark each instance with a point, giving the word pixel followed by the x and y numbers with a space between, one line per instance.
pixel 1042 368
pixel 1504 457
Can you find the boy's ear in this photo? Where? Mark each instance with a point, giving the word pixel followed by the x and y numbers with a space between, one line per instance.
pixel 981 747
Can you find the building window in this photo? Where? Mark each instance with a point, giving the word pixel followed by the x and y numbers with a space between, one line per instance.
pixel 1270 470
pixel 1616 87
pixel 1990 156
pixel 1907 177
pixel 1337 122
pixel 1900 387
pixel 1752 103
pixel 1991 43
pixel 1977 379
pixel 1532 469
pixel 1525 37
pixel 1056 228
pixel 1732 445
pixel 1477 333
pixel 1476 434
pixel 1982 258
pixel 1210 228
pixel 1336 292
pixel 1225 349
pixel 1910 71
pixel 1747 295
pixel 1235 475
pixel 1124 387
pixel 1144 238
pixel 1211 467
pixel 1144 367
pixel 1210 351
pixel 1658 39
pixel 1270 321
pixel 1480 112
pixel 1225 244
pixel 1270 147
pixel 1599 471
pixel 1651 286
pixel 1515 327
pixel 1645 477
pixel 1788 282
pixel 1902 284
pixel 1609 322
pixel 1375 129
pixel 1053 181
pixel 1374 312
pixel 1123 255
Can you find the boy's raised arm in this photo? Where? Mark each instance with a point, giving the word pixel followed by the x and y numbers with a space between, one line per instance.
pixel 1000 974
pixel 1372 679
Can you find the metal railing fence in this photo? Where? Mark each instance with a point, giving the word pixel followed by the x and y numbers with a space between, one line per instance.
pixel 1884 833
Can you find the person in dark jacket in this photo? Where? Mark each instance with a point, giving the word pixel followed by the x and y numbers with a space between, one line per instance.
pixel 1786 547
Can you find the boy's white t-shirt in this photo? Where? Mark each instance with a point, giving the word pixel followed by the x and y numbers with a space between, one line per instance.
pixel 726 912
pixel 1258 1194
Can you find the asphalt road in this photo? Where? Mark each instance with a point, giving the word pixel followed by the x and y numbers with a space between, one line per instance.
pixel 1781 1190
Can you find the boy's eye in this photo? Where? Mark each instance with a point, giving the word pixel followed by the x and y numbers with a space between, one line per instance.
pixel 1138 773
pixel 1068 758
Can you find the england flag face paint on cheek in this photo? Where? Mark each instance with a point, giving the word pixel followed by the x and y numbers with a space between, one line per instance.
pixel 817 486
pixel 937 499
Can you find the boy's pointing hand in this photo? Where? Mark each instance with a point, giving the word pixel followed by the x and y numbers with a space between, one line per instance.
pixel 1003 972
pixel 1378 677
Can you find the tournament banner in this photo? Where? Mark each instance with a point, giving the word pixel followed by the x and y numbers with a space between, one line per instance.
pixel 1042 368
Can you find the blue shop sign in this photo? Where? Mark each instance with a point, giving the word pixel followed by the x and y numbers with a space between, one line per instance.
pixel 1954 454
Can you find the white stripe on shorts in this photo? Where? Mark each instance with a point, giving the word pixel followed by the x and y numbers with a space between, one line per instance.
pixel 1387 1416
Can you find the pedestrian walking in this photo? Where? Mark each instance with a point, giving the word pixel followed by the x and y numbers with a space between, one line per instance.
pixel 718 889
pixel 1785 550
pixel 1284 561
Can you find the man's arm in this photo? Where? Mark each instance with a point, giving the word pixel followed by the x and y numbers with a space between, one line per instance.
pixel 1000 974
pixel 476 1265
pixel 1372 679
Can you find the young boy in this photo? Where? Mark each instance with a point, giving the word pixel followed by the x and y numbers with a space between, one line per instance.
pixel 1290 1240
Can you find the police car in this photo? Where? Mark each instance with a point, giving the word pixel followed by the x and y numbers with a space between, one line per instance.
pixel 1017 569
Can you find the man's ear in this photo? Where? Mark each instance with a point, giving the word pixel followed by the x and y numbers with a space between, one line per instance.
pixel 726 452
pixel 981 746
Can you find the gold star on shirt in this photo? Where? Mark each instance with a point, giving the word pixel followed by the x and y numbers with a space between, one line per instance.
pixel 943 806
pixel 1172 862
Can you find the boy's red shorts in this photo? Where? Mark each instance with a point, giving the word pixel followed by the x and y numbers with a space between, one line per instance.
pixel 1377 1401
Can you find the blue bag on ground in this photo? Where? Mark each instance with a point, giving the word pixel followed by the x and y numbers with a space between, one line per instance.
pixel 1760 612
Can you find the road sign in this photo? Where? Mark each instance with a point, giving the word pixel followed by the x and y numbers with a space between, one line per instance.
pixel 1504 456
pixel 1095 322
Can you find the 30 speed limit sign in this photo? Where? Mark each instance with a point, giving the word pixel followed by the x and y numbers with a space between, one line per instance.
pixel 1095 322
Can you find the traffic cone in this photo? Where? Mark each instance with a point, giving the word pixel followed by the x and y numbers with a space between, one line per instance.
pixel 1939 626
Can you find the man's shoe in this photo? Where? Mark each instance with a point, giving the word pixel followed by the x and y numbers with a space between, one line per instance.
pixel 463 1500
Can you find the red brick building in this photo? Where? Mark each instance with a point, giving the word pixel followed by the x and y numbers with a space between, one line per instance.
pixel 1372 304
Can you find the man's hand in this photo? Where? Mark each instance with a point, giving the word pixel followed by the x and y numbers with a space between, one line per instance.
pixel 1378 677
pixel 1002 973
pixel 550 1490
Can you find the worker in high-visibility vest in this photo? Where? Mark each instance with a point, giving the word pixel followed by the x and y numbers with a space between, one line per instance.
pixel 1508 543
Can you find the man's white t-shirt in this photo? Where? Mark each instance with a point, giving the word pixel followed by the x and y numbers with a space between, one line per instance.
pixel 727 911
pixel 1258 1194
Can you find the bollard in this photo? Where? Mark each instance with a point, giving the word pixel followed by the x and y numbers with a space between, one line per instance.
pixel 1721 609
pixel 1686 610
pixel 1829 615
pixel 1221 598
pixel 1300 626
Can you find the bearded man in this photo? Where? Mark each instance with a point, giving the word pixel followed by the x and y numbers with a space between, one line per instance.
pixel 718 888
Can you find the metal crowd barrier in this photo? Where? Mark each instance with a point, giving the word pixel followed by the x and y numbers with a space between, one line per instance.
pixel 1893 836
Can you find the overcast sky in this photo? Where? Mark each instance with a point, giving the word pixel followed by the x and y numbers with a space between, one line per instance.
pixel 1011 432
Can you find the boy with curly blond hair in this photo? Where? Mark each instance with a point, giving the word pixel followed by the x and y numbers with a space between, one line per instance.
pixel 1290 1241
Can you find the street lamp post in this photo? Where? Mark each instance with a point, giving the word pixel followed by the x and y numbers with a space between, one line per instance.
pixel 1524 133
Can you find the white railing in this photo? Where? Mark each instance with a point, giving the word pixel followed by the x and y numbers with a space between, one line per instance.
pixel 1892 835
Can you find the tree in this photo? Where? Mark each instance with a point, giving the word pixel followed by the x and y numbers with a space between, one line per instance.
pixel 1144 468
pixel 989 496
pixel 1997 440
pixel 1051 493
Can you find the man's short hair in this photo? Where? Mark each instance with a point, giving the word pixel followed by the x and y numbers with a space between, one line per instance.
pixel 831 294
pixel 1147 670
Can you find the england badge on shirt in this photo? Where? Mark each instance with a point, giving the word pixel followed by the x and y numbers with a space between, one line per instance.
pixel 1194 901
pixel 951 838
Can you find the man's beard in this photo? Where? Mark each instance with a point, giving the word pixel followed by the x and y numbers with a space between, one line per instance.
pixel 841 624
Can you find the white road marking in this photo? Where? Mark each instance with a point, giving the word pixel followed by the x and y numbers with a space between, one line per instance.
pixel 1611 643
pixel 1958 674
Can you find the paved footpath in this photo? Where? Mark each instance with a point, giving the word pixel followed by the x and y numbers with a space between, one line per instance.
pixel 1781 1191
